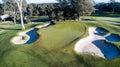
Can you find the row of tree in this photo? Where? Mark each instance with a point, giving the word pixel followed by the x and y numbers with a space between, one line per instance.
pixel 109 7
pixel 11 7
pixel 65 9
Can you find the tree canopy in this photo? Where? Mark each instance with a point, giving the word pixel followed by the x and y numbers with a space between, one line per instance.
pixel 76 8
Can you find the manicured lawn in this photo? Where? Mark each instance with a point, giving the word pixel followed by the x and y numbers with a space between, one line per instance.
pixel 55 46
pixel 61 34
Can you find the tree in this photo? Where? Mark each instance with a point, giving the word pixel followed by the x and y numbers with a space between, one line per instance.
pixel 11 8
pixel 20 7
pixel 113 5
pixel 79 7
pixel 108 7
pixel 11 5
pixel 1 9
pixel 30 10
pixel 82 7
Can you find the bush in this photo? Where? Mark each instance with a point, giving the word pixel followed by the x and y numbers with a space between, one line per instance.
pixel 28 21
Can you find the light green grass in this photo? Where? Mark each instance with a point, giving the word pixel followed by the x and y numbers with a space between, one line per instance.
pixel 61 34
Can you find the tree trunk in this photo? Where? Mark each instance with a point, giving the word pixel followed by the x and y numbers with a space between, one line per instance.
pixel 79 18
pixel 14 18
pixel 21 15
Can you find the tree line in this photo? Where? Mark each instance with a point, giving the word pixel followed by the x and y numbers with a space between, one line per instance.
pixel 64 10
pixel 111 7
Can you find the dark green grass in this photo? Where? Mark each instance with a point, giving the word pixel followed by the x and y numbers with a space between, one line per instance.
pixel 106 14
pixel 40 19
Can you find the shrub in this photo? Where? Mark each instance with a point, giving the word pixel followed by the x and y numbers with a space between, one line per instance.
pixel 25 37
pixel 28 21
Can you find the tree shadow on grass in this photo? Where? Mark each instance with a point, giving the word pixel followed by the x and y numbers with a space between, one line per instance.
pixel 9 29
pixel 41 20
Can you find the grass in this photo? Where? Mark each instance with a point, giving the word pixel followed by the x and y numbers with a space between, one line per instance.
pixel 8 52
pixel 55 46
pixel 61 34
pixel 105 14
pixel 40 19
pixel 36 54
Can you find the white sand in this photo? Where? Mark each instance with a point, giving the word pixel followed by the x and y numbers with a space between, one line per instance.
pixel 86 46
pixel 18 39
pixel 45 25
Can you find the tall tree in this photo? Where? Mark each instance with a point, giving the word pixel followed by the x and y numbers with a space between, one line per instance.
pixel 30 9
pixel 113 5
pixel 20 4
pixel 1 9
pixel 11 8
pixel 79 7
pixel 20 7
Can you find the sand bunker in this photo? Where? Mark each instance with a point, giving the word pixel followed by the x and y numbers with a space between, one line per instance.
pixel 19 38
pixel 96 45
pixel 86 46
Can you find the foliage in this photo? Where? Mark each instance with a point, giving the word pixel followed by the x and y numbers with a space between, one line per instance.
pixel 109 7
pixel 75 8
pixel 27 21
pixel 1 9
pixel 25 37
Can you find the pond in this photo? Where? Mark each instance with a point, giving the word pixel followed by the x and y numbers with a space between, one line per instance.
pixel 101 31
pixel 109 50
pixel 33 36
pixel 113 38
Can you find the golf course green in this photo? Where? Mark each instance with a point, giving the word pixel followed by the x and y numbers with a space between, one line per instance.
pixel 55 46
